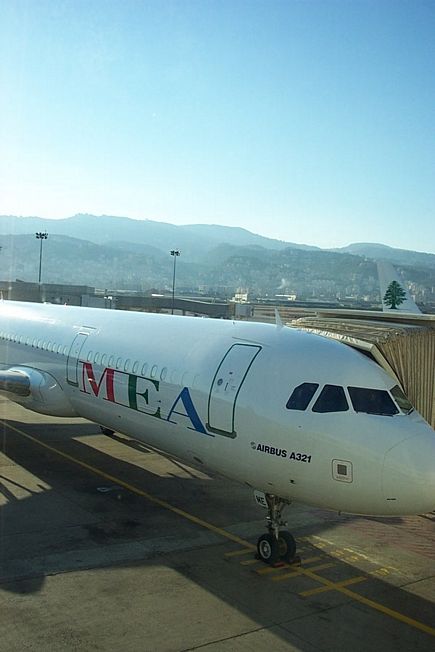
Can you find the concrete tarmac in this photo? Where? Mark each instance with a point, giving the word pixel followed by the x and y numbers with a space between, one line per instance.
pixel 107 545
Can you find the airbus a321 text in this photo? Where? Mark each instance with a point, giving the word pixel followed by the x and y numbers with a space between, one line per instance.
pixel 294 415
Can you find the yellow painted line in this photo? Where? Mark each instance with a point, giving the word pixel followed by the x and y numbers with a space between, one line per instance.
pixel 334 587
pixel 301 571
pixel 228 535
pixel 389 612
pixel 236 553
pixel 392 613
pixel 308 560
pixel 381 571
pixel 354 555
pixel 265 570
pixel 249 562
pixel 136 490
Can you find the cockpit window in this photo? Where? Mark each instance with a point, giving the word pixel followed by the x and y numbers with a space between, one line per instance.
pixel 372 401
pixel 301 396
pixel 401 400
pixel 331 399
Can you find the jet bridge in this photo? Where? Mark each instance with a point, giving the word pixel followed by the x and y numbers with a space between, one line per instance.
pixel 404 345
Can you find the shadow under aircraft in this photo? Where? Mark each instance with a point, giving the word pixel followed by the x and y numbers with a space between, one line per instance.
pixel 76 514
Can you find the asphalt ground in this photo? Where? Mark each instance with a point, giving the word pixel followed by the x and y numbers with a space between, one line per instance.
pixel 107 545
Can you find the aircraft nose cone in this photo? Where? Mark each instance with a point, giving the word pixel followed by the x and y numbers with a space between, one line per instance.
pixel 408 475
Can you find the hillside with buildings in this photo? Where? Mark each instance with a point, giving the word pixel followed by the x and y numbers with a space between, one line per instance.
pixel 118 253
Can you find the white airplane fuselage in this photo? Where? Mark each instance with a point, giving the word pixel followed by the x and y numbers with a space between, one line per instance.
pixel 214 393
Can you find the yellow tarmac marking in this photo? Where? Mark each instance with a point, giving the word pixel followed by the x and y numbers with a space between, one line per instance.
pixel 389 612
pixel 265 570
pixel 309 560
pixel 348 554
pixel 249 562
pixel 334 586
pixel 236 553
pixel 372 603
pixel 136 490
pixel 301 571
pixel 382 572
pixel 228 535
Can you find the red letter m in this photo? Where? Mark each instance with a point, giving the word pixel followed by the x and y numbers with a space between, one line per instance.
pixel 89 378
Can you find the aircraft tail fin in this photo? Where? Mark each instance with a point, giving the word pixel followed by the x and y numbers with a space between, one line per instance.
pixel 387 274
pixel 278 320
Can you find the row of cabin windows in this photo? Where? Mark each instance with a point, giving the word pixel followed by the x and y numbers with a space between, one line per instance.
pixel 97 358
pixel 127 365
pixel 36 343
pixel 144 369
pixel 333 398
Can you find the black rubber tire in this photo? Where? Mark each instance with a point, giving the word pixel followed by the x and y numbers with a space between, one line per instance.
pixel 286 546
pixel 268 549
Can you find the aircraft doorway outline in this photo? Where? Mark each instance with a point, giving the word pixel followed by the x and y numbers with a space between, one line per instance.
pixel 74 355
pixel 227 382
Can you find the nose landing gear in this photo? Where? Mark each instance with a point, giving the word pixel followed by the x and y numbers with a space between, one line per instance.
pixel 276 544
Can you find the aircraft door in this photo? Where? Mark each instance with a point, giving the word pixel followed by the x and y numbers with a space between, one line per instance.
pixel 73 357
pixel 226 386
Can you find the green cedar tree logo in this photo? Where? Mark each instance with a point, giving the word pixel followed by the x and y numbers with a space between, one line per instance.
pixel 395 295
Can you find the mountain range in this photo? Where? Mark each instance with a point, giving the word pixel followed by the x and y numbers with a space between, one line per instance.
pixel 118 252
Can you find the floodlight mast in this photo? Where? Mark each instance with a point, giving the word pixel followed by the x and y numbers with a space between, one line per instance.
pixel 40 235
pixel 174 253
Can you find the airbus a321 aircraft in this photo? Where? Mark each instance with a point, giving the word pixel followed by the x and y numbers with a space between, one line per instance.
pixel 294 415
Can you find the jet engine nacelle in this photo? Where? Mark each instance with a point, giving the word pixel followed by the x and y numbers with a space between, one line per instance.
pixel 36 390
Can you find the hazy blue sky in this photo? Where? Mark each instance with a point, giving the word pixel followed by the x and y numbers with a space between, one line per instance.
pixel 310 121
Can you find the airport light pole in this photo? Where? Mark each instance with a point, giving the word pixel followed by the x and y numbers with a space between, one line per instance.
pixel 174 253
pixel 40 235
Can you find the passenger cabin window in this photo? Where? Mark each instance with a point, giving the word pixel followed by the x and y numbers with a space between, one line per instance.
pixel 372 401
pixel 331 399
pixel 301 396
pixel 401 400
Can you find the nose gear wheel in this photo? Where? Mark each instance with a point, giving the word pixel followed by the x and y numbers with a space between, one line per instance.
pixel 276 544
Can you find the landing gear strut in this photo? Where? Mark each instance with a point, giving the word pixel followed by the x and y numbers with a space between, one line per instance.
pixel 276 544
